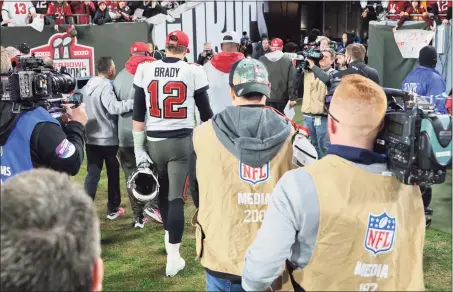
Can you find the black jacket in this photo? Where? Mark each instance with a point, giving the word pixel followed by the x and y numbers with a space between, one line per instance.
pixel 148 11
pixel 102 17
pixel 356 67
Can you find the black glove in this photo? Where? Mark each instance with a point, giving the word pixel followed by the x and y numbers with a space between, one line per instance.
pixel 101 21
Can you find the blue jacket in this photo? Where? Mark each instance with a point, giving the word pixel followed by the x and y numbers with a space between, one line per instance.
pixel 426 81
pixel 15 154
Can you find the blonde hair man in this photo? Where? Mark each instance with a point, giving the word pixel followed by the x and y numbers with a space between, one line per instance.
pixel 344 220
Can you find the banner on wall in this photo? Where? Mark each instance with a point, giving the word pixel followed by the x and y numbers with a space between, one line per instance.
pixel 207 21
pixel 411 41
pixel 66 51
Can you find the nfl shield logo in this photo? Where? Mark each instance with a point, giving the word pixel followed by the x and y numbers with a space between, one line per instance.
pixel 380 233
pixel 254 175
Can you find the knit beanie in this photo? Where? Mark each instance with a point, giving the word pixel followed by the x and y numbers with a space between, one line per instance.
pixel 428 57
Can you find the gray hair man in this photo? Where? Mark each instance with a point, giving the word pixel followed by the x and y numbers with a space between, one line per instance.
pixel 56 246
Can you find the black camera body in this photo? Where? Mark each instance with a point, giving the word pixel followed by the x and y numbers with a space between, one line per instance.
pixel 309 52
pixel 209 54
pixel 31 83
pixel 415 140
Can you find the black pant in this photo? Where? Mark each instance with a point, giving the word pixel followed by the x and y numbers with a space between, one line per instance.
pixel 96 155
pixel 278 106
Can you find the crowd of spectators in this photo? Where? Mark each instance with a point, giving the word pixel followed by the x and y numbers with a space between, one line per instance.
pixel 82 12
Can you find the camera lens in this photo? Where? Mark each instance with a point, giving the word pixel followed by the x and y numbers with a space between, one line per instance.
pixel 62 82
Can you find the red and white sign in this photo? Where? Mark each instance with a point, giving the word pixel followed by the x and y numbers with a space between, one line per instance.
pixel 411 41
pixel 65 51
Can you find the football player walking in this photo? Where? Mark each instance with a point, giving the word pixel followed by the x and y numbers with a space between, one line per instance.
pixel 167 92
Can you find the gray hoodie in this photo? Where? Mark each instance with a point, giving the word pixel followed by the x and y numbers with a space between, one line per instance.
pixel 124 89
pixel 281 74
pixel 102 109
pixel 253 134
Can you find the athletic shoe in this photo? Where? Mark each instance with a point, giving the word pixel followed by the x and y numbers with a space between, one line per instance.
pixel 114 215
pixel 140 223
pixel 154 214
pixel 175 262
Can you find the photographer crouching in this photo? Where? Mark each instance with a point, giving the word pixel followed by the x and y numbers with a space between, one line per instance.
pixel 29 136
pixel 313 100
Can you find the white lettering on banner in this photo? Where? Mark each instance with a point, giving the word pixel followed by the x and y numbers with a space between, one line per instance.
pixel 5 170
pixel 81 53
pixel 207 21
pixel 371 270
pixel 42 54
pixel 253 198
pixel 368 287
pixel 411 41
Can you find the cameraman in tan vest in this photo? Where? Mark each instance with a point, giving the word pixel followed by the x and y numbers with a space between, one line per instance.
pixel 239 156
pixel 343 223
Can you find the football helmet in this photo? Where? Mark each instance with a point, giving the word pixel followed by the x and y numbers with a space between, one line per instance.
pixel 144 184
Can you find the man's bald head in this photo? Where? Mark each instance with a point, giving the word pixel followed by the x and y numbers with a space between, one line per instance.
pixel 359 105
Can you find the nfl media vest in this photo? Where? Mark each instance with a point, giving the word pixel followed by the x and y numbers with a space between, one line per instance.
pixel 233 199
pixel 15 154
pixel 315 92
pixel 371 231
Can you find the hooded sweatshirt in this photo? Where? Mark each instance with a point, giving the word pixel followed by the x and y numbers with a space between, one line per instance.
pixel 124 89
pixel 218 71
pixel 251 133
pixel 281 73
pixel 102 109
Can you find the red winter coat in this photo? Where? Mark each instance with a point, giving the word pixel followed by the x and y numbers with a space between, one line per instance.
pixel 60 11
pixel 85 9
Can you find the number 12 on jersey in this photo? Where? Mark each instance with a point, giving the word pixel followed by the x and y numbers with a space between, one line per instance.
pixel 176 92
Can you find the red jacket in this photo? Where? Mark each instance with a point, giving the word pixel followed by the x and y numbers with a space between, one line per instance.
pixel 85 8
pixel 60 11
pixel 448 105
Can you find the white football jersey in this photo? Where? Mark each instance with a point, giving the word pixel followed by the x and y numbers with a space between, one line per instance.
pixel 169 90
pixel 18 12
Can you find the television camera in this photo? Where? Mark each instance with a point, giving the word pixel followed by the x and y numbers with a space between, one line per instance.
pixel 30 83
pixel 311 51
pixel 415 139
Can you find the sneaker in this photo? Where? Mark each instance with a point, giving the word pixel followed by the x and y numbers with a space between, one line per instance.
pixel 114 215
pixel 174 265
pixel 140 223
pixel 154 214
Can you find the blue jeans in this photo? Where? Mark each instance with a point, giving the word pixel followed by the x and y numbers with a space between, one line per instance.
pixel 217 284
pixel 318 134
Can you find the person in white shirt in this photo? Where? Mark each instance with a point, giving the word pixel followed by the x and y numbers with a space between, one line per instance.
pixel 17 13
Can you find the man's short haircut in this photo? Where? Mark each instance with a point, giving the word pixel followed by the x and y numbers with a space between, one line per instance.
pixel 252 96
pixel 175 49
pixel 332 53
pixel 5 60
pixel 49 234
pixel 104 64
pixel 359 104
pixel 324 38
pixel 244 33
pixel 356 52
